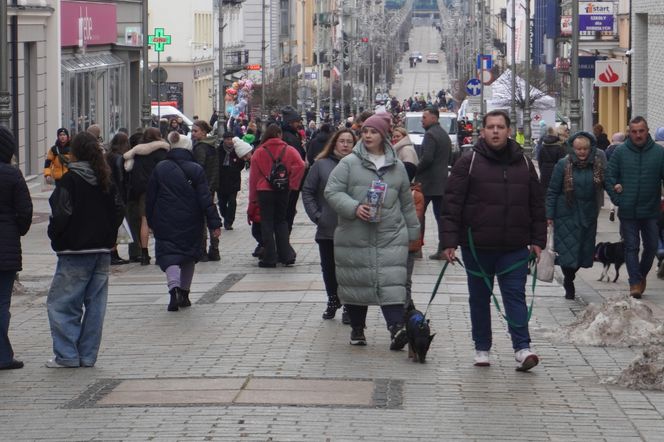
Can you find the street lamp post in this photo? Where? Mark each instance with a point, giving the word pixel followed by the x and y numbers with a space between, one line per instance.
pixel 513 101
pixel 574 113
pixel 527 129
pixel 146 107
pixel 221 110
pixel 263 67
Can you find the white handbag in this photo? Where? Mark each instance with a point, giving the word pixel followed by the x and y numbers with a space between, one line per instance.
pixel 547 259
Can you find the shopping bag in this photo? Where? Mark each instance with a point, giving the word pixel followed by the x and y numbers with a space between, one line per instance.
pixel 124 233
pixel 547 259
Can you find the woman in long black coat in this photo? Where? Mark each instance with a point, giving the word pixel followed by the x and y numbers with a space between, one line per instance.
pixel 15 220
pixel 178 202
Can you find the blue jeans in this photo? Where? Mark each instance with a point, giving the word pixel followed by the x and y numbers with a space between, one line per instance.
pixel 79 281
pixel 512 288
pixel 6 286
pixel 647 228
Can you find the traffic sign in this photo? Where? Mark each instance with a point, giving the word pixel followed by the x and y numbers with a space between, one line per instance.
pixel 159 40
pixel 484 61
pixel 473 87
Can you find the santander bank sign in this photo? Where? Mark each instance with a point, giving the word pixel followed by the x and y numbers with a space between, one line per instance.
pixel 86 23
pixel 610 73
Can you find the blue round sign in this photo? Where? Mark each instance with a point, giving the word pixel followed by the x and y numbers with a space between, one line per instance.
pixel 474 87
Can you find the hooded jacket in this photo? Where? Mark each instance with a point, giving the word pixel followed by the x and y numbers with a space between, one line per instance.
pixel 261 165
pixel 498 196
pixel 550 153
pixel 83 219
pixel 640 171
pixel 56 161
pixel 177 201
pixel 371 258
pixel 206 154
pixel 15 216
pixel 575 222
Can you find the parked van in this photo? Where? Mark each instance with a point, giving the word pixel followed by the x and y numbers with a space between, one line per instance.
pixel 447 120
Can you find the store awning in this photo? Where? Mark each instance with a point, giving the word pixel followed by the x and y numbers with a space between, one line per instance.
pixel 90 62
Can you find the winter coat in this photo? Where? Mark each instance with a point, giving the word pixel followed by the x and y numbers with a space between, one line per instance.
pixel 640 172
pixel 406 151
pixel 316 145
pixel 230 174
pixel 207 155
pixel 313 198
pixel 603 141
pixel 178 200
pixel 261 165
pixel 15 216
pixel 139 162
pixel 118 176
pixel 575 224
pixel 83 219
pixel 550 153
pixel 498 196
pixel 57 159
pixel 434 161
pixel 418 200
pixel 292 138
pixel 371 258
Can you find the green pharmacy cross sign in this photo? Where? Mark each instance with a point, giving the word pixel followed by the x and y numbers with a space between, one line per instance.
pixel 159 40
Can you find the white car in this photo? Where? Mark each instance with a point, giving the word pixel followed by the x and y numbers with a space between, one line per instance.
pixel 432 57
pixel 447 120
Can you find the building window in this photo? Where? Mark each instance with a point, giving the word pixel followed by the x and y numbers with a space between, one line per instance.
pixel 203 28
pixel 284 22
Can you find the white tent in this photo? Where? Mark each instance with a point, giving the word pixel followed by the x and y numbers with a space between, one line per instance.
pixel 542 109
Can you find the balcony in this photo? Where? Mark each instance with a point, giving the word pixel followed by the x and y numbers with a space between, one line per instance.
pixel 235 61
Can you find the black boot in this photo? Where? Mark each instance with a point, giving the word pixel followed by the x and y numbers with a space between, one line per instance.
pixel 184 298
pixel 568 283
pixel 213 254
pixel 116 260
pixel 173 305
pixel 399 337
pixel 145 257
pixel 333 305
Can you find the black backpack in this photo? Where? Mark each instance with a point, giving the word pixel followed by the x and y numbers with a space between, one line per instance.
pixel 278 177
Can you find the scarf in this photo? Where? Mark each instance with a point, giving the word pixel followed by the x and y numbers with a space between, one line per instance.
pixel 568 179
pixel 84 170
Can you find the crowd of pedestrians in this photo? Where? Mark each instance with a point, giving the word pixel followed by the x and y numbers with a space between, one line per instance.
pixel 364 186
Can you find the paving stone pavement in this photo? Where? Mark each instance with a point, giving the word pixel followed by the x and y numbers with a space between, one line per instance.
pixel 249 324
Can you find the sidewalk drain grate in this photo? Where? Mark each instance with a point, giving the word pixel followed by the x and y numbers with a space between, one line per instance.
pixel 242 391
pixel 216 292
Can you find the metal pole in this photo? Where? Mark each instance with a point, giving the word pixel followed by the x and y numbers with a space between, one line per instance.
pixel 291 35
pixel 527 130
pixel 319 80
pixel 5 112
pixel 303 86
pixel 341 68
pixel 146 106
pixel 331 57
pixel 159 87
pixel 263 67
pixel 574 114
pixel 513 103
pixel 222 108
pixel 482 103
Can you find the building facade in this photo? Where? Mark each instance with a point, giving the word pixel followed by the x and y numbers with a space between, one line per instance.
pixel 34 79
pixel 647 59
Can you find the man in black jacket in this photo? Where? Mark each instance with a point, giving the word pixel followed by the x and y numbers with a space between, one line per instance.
pixel 432 167
pixel 495 211
pixel 291 125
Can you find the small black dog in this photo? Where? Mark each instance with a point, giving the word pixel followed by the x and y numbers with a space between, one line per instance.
pixel 418 333
pixel 610 253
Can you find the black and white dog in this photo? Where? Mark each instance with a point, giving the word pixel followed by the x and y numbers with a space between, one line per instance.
pixel 610 253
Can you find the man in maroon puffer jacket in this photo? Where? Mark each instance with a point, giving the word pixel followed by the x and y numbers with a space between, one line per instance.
pixel 493 193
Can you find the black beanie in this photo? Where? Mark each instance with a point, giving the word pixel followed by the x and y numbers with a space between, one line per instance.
pixel 7 145
pixel 63 130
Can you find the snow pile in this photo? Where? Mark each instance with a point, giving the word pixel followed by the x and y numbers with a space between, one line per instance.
pixel 619 322
pixel 646 372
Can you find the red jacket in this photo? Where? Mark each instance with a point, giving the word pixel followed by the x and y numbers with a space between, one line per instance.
pixel 261 165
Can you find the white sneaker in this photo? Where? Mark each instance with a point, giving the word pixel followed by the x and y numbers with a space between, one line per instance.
pixel 526 359
pixel 52 363
pixel 482 358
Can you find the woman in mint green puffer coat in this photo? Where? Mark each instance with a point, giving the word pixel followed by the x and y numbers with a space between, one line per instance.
pixel 371 257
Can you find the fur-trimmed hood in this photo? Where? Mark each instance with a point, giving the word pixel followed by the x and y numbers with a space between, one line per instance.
pixel 142 149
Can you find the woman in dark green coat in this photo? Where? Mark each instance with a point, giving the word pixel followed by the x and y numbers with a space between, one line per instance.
pixel 573 201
